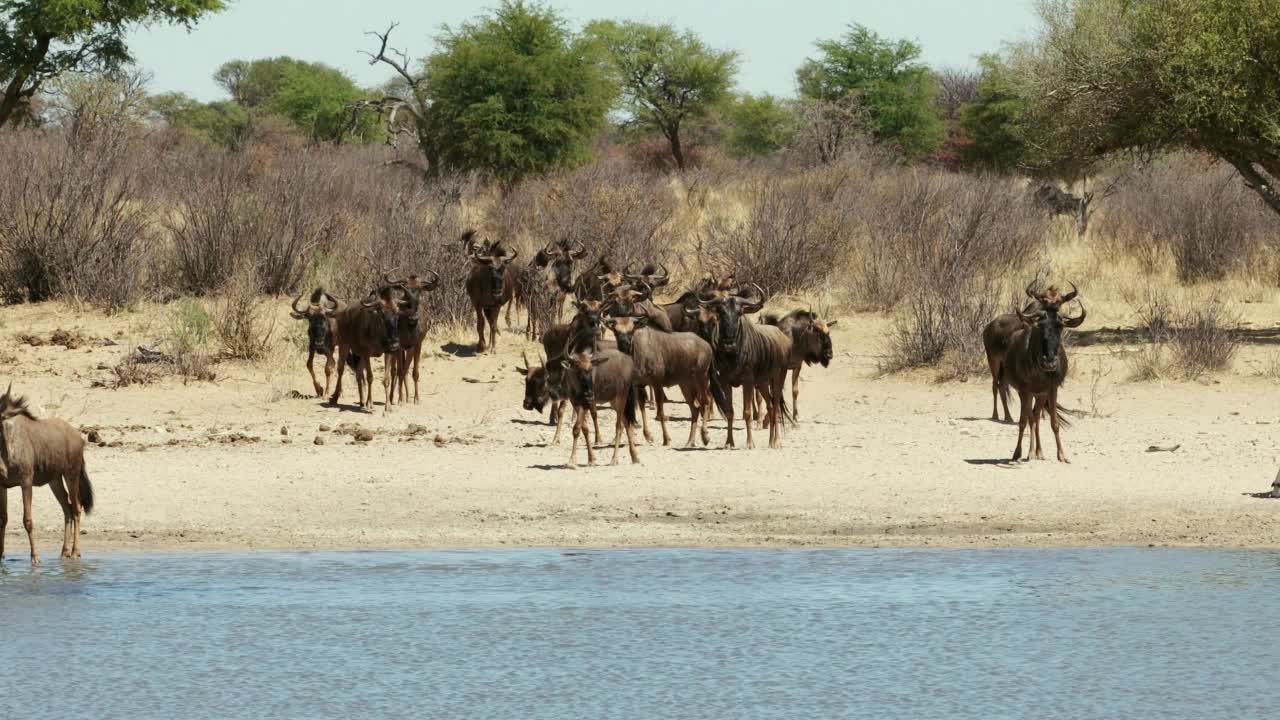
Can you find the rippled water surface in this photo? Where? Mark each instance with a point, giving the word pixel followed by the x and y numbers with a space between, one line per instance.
pixel 646 634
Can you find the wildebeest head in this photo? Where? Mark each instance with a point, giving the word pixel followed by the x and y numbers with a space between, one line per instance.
pixel 622 299
pixel 580 367
pixel 729 311
pixel 539 384
pixel 589 318
pixel 414 285
pixel 392 303
pixel 495 261
pixel 557 261
pixel 1045 337
pixel 316 314
pixel 624 330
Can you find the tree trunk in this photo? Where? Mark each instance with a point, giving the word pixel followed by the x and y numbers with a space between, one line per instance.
pixel 1256 181
pixel 677 151
pixel 15 93
pixel 10 100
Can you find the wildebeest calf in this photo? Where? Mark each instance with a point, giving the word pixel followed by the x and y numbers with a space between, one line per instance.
pixel 604 376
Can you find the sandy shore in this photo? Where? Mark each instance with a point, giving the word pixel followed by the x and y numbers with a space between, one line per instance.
pixel 874 462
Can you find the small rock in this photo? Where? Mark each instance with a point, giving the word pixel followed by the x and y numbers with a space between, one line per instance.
pixel 318 441
pixel 284 430
pixel 285 441
pixel 440 441
pixel 94 437
pixel 325 428
pixel 363 435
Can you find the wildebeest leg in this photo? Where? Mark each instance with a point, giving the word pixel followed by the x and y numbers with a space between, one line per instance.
pixel 1023 414
pixel 328 371
pixel 68 521
pixel 480 346
pixel 491 315
pixel 748 410
pixel 557 419
pixel 1053 423
pixel 417 360
pixel 729 438
pixel 775 409
pixel 692 398
pixel 27 522
pixel 341 370
pixel 578 427
pixel 993 363
pixel 1004 397
pixel 595 423
pixel 390 370
pixel 1037 412
pixel 644 419
pixel 631 443
pixel 619 411
pixel 795 393
pixel 311 370
pixel 660 398
pixel 367 400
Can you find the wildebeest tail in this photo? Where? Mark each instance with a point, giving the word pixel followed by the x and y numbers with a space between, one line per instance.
pixel 629 412
pixel 1064 413
pixel 717 393
pixel 86 491
pixel 787 417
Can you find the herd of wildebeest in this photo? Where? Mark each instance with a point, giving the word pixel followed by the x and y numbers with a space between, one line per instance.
pixel 701 342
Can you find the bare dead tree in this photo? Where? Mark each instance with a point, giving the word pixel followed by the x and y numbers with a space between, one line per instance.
pixel 956 88
pixel 827 130
pixel 404 103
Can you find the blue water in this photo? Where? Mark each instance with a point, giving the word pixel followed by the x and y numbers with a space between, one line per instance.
pixel 1096 633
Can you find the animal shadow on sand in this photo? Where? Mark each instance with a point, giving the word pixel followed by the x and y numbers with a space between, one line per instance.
pixel 994 462
pixel 459 350
pixel 987 419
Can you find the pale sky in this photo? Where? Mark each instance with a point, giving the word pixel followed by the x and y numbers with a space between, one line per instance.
pixel 772 36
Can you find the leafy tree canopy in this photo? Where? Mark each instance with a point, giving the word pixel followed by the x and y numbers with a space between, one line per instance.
pixel 994 119
pixel 758 125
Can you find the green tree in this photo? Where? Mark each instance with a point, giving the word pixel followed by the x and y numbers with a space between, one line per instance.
pixel 993 120
pixel 887 77
pixel 313 96
pixel 758 125
pixel 669 79
pixel 41 39
pixel 513 93
pixel 1109 76
pixel 226 123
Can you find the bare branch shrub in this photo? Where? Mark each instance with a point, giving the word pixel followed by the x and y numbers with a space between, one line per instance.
pixel 793 236
pixel 71 222
pixel 945 246
pixel 1204 338
pixel 1192 210
pixel 244 324
pixel 614 210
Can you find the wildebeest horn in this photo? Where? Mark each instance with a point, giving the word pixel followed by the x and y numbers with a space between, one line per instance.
pixel 1071 295
pixel 666 274
pixel 580 253
pixel 1030 293
pixel 525 357
pixel 758 296
pixel 373 298
pixel 411 307
pixel 1075 321
pixel 296 310
pixel 435 281
pixel 331 300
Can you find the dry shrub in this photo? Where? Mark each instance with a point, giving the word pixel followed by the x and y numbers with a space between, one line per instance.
pixel 243 323
pixel 232 209
pixel 72 221
pixel 1204 338
pixel 189 328
pixel 793 236
pixel 942 248
pixel 615 211
pixel 1192 210
pixel 399 225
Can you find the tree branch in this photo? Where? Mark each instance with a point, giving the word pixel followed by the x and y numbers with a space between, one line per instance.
pixel 401 66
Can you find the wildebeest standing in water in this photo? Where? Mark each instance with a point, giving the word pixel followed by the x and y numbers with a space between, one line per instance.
pixel 1037 364
pixel 322 332
pixel 35 452
pixel 489 287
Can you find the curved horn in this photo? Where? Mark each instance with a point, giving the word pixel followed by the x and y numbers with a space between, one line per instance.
pixel 412 297
pixel 1071 295
pixel 579 253
pixel 435 281
pixel 1031 294
pixel 666 274
pixel 296 300
pixel 758 297
pixel 1075 321
pixel 372 299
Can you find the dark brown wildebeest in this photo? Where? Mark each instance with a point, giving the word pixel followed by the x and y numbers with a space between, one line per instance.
pixel 651 276
pixel 591 283
pixel 1036 365
pixel 810 343
pixel 753 356
pixel 547 282
pixel 39 452
pixel 604 376
pixel 663 359
pixel 995 341
pixel 371 329
pixel 322 332
pixel 413 331
pixel 628 300
pixel 490 287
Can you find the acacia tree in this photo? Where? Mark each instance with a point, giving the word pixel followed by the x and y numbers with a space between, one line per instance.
pixel 312 96
pixel 1110 76
pixel 895 88
pixel 758 125
pixel 668 78
pixel 42 39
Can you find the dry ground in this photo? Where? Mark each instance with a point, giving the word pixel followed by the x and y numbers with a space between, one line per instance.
pixel 897 461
